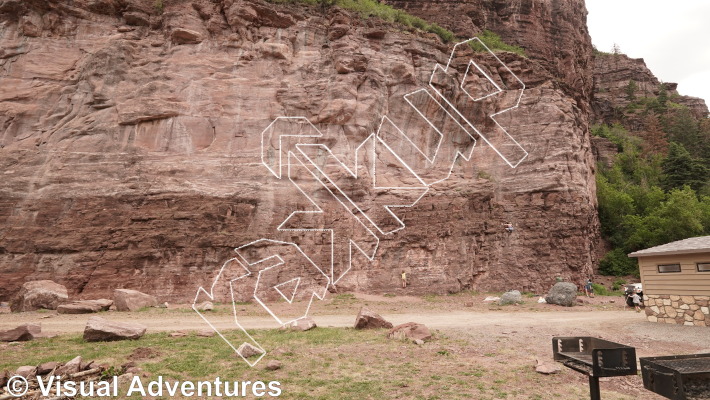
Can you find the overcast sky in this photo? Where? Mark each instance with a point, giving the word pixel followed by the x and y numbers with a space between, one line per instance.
pixel 673 37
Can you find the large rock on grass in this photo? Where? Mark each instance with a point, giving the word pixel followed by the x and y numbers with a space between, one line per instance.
pixel 35 295
pixel 132 300
pixel 563 293
pixel 21 333
pixel 368 319
pixel 84 306
pixel 247 350
pixel 302 324
pixel 411 330
pixel 101 330
pixel 511 297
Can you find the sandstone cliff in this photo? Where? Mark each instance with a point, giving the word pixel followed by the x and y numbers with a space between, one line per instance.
pixel 130 135
pixel 612 76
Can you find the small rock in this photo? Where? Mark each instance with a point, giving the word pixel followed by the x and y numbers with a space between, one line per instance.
pixel 84 306
pixel 205 306
pixel 45 368
pixel 418 342
pixel 178 334
pixel 468 304
pixel 164 305
pixel 4 376
pixel 302 324
pixel 124 29
pixel 185 36
pixel 273 365
pixel 206 333
pixel 71 367
pixel 410 330
pixel 541 300
pixel 246 350
pixel 27 371
pixel 491 298
pixel 368 319
pixel 99 329
pixel 21 333
pixel 547 369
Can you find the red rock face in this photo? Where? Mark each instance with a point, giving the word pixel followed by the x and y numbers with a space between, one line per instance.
pixel 612 74
pixel 131 145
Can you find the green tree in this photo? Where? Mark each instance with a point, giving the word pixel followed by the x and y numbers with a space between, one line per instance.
pixel 680 169
pixel 630 90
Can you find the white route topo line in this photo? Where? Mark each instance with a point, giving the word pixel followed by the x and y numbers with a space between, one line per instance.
pixel 295 158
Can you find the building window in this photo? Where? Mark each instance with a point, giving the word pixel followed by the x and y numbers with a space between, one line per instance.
pixel 663 269
pixel 703 267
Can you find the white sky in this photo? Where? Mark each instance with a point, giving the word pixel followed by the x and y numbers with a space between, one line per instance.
pixel 673 37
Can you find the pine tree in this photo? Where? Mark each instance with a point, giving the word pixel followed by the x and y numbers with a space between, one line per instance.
pixel 680 169
pixel 631 90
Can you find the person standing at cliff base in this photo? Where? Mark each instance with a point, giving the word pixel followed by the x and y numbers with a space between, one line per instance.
pixel 404 280
pixel 589 289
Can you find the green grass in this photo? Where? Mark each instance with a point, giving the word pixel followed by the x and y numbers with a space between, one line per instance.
pixel 323 363
pixel 373 8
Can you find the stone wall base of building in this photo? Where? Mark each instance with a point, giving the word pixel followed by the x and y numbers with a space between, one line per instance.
pixel 683 310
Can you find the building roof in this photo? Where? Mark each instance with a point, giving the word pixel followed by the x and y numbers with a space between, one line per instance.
pixel 698 244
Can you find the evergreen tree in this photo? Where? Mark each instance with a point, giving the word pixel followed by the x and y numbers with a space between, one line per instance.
pixel 630 90
pixel 680 169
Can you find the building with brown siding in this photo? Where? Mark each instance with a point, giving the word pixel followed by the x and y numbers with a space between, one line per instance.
pixel 676 281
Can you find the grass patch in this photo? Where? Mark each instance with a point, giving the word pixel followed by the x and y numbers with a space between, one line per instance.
pixel 373 8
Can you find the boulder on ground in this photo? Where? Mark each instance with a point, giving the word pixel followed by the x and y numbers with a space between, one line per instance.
pixel 39 294
pixel 4 376
pixel 368 319
pixel 547 368
pixel 101 330
pixel 45 368
pixel 246 350
pixel 511 297
pixel 84 306
pixel 71 367
pixel 21 333
pixel 273 365
pixel 27 371
pixel 563 293
pixel 132 300
pixel 302 324
pixel 411 331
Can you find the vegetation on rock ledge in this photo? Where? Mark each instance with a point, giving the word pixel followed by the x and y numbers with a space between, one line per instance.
pixel 373 8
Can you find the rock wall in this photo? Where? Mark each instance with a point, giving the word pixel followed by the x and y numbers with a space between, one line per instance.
pixel 130 145
pixel 612 74
pixel 552 32
pixel 682 310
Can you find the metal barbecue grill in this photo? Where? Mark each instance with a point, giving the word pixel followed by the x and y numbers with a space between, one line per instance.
pixel 685 377
pixel 595 358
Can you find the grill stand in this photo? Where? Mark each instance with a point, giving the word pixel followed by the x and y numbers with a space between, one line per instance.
pixel 594 392
pixel 595 358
